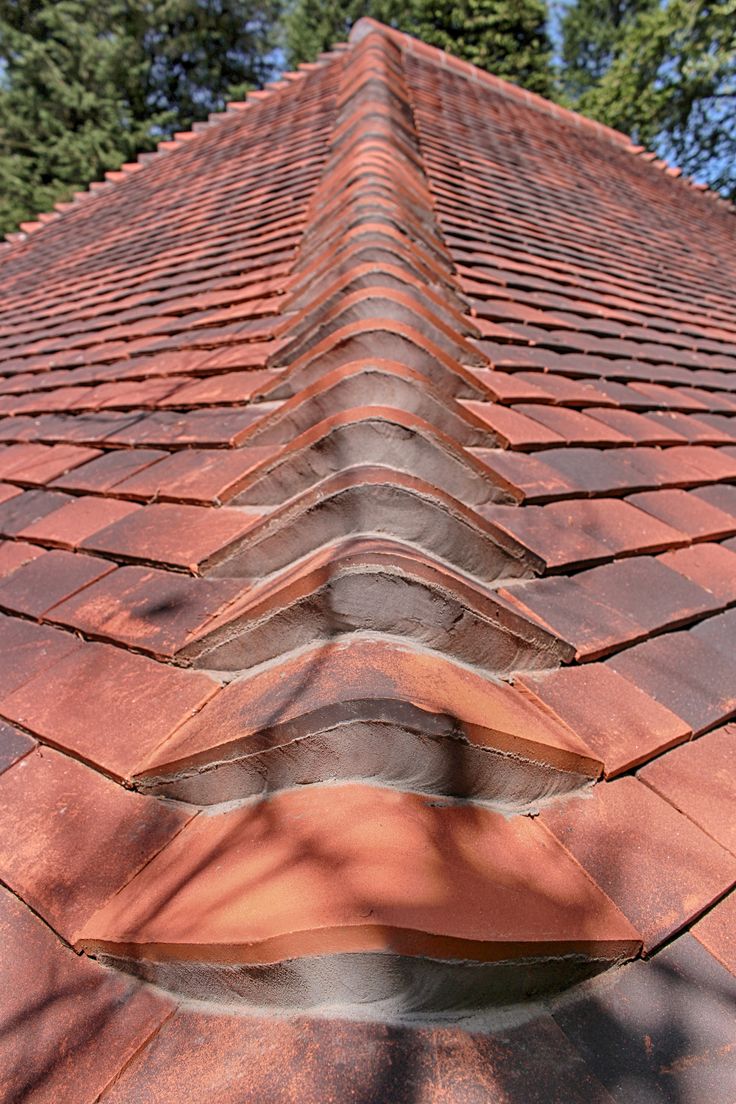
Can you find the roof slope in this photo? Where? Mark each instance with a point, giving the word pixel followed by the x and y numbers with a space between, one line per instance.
pixel 377 441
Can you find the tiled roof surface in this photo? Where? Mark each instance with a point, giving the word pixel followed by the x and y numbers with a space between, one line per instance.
pixel 372 448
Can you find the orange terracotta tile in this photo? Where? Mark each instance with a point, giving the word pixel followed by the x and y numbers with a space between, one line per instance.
pixel 310 1059
pixel 624 726
pixel 36 587
pixel 717 932
pixel 607 607
pixel 108 470
pixel 14 553
pixel 27 649
pixel 698 780
pixel 28 508
pixel 514 428
pixel 182 536
pixel 690 672
pixel 80 518
pixel 687 512
pixel 259 885
pixel 158 612
pixel 14 744
pixel 656 864
pixel 88 1023
pixel 711 566
pixel 658 1030
pixel 254 713
pixel 207 476
pixel 137 703
pixel 70 838
pixel 583 531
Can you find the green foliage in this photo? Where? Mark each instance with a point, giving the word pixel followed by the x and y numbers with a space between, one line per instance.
pixel 672 86
pixel 84 85
pixel 312 26
pixel 507 37
pixel 592 32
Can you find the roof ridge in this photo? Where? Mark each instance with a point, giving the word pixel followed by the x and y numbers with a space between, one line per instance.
pixel 367 25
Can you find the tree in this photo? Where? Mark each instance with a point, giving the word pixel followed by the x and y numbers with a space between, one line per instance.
pixel 507 37
pixel 196 54
pixel 672 86
pixel 84 86
pixel 312 26
pixel 592 32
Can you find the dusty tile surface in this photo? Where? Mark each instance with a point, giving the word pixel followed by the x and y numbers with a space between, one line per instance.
pixel 400 404
pixel 68 1027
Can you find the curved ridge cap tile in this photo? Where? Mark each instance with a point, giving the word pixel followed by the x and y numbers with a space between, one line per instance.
pixel 369 500
pixel 380 241
pixel 384 307
pixel 365 27
pixel 352 385
pixel 394 272
pixel 382 297
pixel 368 203
pixel 380 435
pixel 356 869
pixel 247 714
pixel 389 339
pixel 382 587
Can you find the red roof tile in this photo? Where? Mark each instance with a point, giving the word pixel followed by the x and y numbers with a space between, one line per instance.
pixel 80 838
pixel 38 586
pixel 68 526
pixel 179 536
pixel 688 512
pixel 13 745
pixel 280 897
pixel 87 1023
pixel 372 352
pixel 136 705
pixel 711 566
pixel 257 717
pixel 532 1063
pixel 623 725
pixel 717 932
pixel 619 836
pixel 698 780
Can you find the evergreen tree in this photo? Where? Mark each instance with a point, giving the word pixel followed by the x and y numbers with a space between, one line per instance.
pixel 507 37
pixel 672 86
pixel 84 86
pixel 592 33
pixel 312 26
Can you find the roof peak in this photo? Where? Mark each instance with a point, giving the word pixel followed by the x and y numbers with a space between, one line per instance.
pixel 366 26
pixel 361 29
pixel 406 42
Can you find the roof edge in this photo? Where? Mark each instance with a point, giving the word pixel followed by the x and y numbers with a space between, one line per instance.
pixel 366 25
pixel 115 177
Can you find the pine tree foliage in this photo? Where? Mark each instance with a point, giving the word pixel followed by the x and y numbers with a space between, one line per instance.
pixel 313 26
pixel 84 86
pixel 672 86
pixel 507 37
pixel 592 33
